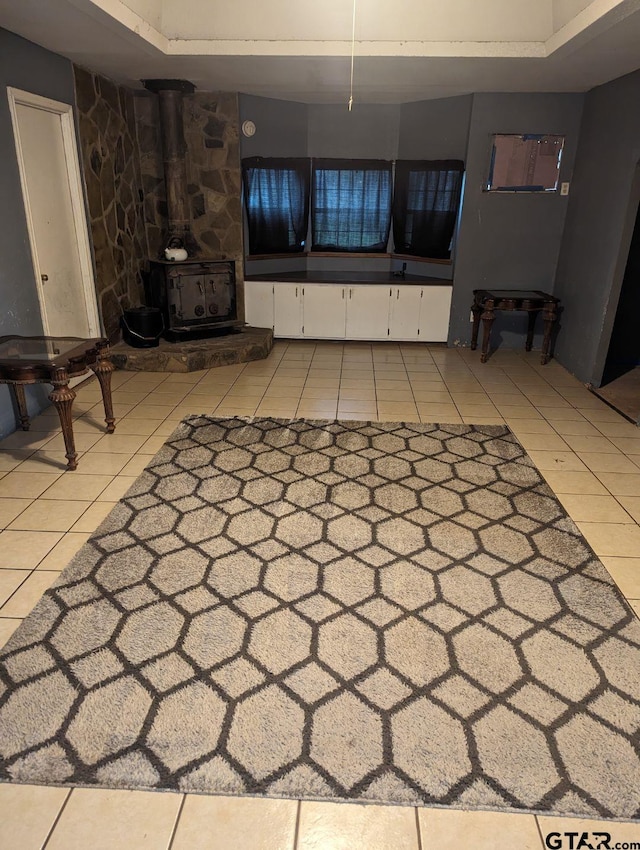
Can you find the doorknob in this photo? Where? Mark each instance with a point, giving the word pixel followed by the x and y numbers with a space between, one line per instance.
pixel 44 278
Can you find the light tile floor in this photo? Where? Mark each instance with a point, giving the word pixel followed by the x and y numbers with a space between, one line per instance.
pixel 589 455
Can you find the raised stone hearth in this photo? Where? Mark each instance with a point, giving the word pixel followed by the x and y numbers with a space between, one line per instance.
pixel 248 344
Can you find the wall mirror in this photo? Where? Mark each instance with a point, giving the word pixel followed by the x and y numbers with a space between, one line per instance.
pixel 524 163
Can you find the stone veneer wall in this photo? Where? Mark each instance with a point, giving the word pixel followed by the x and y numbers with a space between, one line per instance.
pixel 211 130
pixel 114 193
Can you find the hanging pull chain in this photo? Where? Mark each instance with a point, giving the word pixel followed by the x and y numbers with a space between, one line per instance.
pixel 353 45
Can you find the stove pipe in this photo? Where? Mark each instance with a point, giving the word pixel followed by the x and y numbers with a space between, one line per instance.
pixel 170 94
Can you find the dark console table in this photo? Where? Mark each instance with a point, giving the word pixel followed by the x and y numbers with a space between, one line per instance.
pixel 486 302
pixel 55 360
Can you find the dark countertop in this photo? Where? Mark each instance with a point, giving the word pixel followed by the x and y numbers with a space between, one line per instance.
pixel 347 277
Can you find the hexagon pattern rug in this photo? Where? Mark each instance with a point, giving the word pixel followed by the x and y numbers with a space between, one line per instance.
pixel 341 610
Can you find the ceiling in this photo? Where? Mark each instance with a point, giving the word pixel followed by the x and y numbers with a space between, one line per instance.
pixel 301 50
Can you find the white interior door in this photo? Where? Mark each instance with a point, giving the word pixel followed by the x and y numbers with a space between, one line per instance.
pixel 50 176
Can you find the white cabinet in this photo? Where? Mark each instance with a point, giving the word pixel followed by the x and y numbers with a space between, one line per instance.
pixel 404 312
pixel 258 304
pixel 323 311
pixel 287 309
pixel 435 307
pixel 367 312
pixel 350 311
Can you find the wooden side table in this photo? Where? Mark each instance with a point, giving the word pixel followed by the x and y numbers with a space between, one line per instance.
pixel 486 302
pixel 55 360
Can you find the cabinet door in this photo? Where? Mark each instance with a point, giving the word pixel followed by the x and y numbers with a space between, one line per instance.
pixel 435 308
pixel 287 309
pixel 368 312
pixel 323 311
pixel 258 304
pixel 404 315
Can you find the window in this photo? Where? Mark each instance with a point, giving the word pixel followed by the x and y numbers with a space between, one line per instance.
pixel 425 206
pixel 351 205
pixel 276 195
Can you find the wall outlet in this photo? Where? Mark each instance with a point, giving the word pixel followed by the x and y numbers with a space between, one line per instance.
pixel 564 188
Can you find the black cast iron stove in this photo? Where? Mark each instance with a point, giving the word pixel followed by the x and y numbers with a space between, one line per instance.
pixel 197 297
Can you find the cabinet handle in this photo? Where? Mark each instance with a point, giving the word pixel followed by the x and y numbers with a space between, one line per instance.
pixel 343 294
pixel 350 294
pixel 397 295
pixel 296 291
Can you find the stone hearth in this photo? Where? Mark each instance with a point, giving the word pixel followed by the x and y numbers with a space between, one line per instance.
pixel 248 344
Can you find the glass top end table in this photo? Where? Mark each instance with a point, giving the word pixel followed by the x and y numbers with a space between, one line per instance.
pixel 55 360
pixel 486 302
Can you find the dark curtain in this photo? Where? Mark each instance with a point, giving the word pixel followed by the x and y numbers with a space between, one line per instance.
pixel 351 205
pixel 425 206
pixel 276 195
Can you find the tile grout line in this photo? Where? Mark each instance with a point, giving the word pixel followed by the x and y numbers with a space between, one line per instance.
pixel 56 820
pixel 176 822
pixel 306 378
pixel 28 575
pixel 542 844
pixel 271 378
pixel 418 830
pixel 415 401
pixel 225 396
pixel 315 350
pixel 296 831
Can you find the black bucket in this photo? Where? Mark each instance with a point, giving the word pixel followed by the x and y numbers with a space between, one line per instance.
pixel 142 327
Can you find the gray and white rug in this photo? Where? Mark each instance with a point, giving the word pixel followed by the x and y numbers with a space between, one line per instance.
pixel 346 610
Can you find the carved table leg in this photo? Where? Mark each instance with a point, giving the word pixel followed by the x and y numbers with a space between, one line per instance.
pixel 533 315
pixel 102 369
pixel 549 315
pixel 21 401
pixel 476 309
pixel 488 317
pixel 62 397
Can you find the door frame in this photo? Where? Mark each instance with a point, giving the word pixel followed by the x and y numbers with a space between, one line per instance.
pixel 18 97
pixel 617 278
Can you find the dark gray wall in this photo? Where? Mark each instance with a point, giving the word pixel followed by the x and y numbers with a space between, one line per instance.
pixel 25 66
pixel 281 127
pixel 432 129
pixel 435 129
pixel 510 240
pixel 596 238
pixel 369 131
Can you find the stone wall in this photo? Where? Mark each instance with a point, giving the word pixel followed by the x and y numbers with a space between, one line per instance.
pixel 114 192
pixel 211 126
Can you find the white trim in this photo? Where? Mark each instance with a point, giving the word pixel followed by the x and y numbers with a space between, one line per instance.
pixel 76 189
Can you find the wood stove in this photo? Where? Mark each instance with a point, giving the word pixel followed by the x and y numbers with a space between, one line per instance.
pixel 197 297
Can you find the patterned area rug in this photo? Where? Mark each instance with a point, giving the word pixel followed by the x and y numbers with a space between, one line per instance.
pixel 391 612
